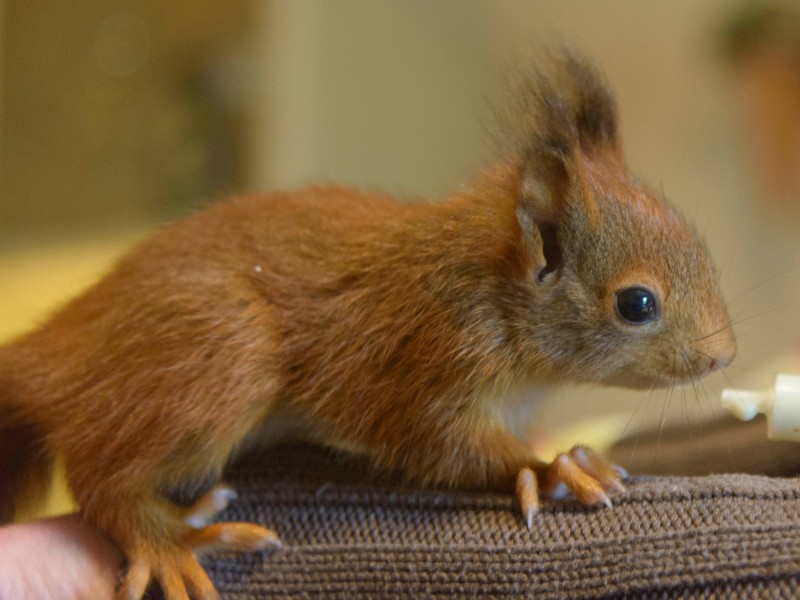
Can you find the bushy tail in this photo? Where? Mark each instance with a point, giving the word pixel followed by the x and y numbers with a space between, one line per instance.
pixel 26 467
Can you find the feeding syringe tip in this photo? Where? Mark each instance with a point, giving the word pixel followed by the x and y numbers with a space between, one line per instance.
pixel 745 404
pixel 781 406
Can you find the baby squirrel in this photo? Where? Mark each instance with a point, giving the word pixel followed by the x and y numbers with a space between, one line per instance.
pixel 352 320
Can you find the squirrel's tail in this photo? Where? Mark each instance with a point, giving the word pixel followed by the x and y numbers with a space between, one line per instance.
pixel 26 466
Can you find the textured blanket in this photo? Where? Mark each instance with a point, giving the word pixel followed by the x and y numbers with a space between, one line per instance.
pixel 347 535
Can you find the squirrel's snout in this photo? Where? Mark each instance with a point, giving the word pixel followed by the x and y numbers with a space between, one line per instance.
pixel 720 352
pixel 717 364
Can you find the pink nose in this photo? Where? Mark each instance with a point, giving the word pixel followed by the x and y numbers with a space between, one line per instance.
pixel 719 363
pixel 718 351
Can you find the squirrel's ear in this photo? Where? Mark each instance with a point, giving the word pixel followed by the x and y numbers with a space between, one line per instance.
pixel 550 198
pixel 565 108
pixel 542 206
pixel 554 186
pixel 568 118
pixel 545 185
pixel 594 110
pixel 554 195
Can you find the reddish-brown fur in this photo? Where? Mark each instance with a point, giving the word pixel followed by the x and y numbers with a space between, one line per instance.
pixel 361 323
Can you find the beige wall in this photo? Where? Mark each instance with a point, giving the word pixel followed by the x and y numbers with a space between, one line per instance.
pixel 379 94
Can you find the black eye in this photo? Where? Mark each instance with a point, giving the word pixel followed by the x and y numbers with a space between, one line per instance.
pixel 637 305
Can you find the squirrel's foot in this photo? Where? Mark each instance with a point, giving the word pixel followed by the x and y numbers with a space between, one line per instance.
pixel 580 471
pixel 177 572
pixel 176 569
pixel 234 537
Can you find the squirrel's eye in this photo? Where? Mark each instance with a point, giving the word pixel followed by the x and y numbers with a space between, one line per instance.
pixel 637 305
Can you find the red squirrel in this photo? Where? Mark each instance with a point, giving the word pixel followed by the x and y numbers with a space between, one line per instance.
pixel 352 320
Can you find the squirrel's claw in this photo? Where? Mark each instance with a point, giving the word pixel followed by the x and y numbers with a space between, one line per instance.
pixel 178 574
pixel 175 565
pixel 580 471
pixel 528 494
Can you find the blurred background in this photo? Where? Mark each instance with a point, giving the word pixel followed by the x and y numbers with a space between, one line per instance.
pixel 118 116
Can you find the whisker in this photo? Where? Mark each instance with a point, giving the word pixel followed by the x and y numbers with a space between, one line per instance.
pixel 702 384
pixel 706 396
pixel 664 410
pixel 698 396
pixel 645 398
pixel 692 377
pixel 740 321
pixel 751 369
pixel 762 331
pixel 648 398
pixel 730 383
pixel 695 379
pixel 683 401
pixel 758 284
pixel 759 314
pixel 713 333
pixel 686 364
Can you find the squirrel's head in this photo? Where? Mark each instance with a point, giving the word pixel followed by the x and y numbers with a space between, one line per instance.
pixel 624 290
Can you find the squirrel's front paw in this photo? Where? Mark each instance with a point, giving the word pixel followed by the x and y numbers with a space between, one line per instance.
pixel 580 471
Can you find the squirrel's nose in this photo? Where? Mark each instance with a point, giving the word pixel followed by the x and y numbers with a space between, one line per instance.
pixel 723 357
pixel 716 365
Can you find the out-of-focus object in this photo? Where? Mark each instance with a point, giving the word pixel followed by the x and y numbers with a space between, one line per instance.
pixel 762 41
pixel 118 115
pixel 780 404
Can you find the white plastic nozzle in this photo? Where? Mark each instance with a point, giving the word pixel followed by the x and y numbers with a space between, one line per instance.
pixel 745 404
pixel 781 406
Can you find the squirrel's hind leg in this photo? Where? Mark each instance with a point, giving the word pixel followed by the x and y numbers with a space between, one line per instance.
pixel 236 537
pixel 161 539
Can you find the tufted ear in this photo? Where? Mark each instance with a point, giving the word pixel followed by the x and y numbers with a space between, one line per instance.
pixel 569 119
pixel 542 207
pixel 547 177
pixel 592 104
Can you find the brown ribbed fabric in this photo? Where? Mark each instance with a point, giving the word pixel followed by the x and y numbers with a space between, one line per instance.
pixel 727 536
